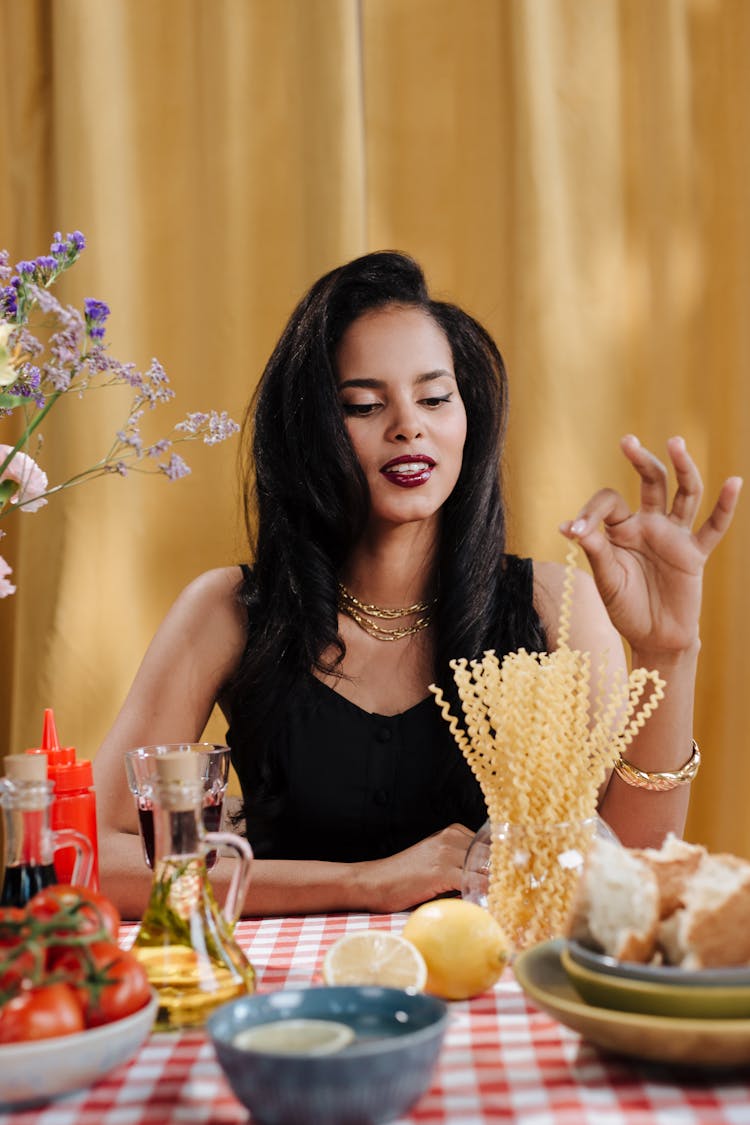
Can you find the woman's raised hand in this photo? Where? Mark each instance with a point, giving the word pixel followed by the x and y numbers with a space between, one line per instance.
pixel 648 564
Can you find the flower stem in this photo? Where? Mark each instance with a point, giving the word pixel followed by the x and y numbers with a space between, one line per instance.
pixel 23 440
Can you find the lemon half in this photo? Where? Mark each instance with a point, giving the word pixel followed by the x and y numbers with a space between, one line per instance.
pixel 375 957
pixel 296 1037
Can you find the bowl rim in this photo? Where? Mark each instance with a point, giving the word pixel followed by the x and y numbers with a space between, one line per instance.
pixel 633 973
pixel 355 1050
pixel 81 1038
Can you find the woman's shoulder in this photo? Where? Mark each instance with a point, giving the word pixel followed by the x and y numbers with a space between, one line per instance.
pixel 218 587
pixel 210 604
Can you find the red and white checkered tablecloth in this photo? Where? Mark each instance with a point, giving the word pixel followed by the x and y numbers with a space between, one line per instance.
pixel 502 1060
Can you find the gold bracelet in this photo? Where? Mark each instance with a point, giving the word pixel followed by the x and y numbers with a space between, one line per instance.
pixel 642 779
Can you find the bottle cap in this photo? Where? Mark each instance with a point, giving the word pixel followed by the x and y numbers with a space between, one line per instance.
pixel 178 771
pixel 178 765
pixel 22 767
pixel 62 766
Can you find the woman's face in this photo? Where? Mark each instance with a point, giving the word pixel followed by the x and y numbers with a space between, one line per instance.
pixel 401 406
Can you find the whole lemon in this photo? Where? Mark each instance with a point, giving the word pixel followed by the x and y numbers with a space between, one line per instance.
pixel 464 948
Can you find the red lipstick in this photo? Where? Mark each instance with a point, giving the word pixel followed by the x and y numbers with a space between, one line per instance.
pixel 409 470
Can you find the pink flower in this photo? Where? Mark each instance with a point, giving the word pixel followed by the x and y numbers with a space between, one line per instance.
pixel 5 587
pixel 31 479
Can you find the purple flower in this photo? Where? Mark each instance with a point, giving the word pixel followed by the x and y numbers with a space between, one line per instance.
pixel 220 427
pixel 28 344
pixel 133 439
pixel 158 448
pixel 58 247
pixel 59 377
pixel 192 423
pixel 8 303
pixel 26 269
pixel 47 302
pixel 175 468
pixel 119 467
pixel 96 313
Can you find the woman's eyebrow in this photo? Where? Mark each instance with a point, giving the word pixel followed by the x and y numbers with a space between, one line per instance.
pixel 376 384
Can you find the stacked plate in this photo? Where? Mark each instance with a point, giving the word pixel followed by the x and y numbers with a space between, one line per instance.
pixel 660 1013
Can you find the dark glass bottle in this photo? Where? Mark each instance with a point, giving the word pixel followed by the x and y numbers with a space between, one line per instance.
pixel 26 797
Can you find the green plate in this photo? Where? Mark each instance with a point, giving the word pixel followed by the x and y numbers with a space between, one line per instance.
pixel 693 1001
pixel 678 1039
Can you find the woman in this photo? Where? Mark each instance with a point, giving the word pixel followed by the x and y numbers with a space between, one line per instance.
pixel 373 481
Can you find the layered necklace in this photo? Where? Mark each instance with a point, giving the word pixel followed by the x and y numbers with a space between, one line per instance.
pixel 361 613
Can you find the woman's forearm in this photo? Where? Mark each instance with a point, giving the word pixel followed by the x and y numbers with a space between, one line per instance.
pixel 643 817
pixel 429 868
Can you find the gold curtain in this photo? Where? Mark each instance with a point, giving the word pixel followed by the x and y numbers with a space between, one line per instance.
pixel 574 172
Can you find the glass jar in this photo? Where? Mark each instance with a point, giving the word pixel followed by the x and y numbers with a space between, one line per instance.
pixel 526 874
pixel 185 941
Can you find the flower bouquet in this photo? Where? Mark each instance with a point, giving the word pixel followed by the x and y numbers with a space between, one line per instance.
pixel 72 358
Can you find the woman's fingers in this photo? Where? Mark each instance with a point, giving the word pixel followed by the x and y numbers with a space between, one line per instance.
pixel 689 484
pixel 709 534
pixel 652 472
pixel 605 506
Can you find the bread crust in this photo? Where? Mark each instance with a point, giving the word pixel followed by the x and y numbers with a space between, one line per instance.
pixel 712 928
pixel 673 865
pixel 679 904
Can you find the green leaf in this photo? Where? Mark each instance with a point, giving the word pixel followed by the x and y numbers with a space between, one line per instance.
pixel 7 402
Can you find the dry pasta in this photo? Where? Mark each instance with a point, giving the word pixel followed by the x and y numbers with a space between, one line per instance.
pixel 541 749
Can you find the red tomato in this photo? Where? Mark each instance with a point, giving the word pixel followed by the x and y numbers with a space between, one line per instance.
pixel 21 957
pixel 82 911
pixel 110 982
pixel 41 1013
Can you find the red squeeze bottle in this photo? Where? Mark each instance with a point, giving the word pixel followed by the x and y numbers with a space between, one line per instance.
pixel 74 804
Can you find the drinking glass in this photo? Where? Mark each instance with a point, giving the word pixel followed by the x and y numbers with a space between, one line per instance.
pixel 141 770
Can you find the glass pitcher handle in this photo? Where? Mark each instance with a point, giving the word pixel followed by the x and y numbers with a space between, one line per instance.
pixel 241 875
pixel 84 861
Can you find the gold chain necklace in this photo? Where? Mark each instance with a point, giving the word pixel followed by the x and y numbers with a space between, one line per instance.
pixel 354 608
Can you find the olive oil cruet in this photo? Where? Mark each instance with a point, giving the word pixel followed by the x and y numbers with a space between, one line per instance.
pixel 30 843
pixel 185 940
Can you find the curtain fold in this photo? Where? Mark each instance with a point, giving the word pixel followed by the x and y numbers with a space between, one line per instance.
pixel 574 172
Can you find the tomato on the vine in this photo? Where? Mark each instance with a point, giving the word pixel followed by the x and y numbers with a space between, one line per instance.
pixel 110 982
pixel 89 910
pixel 21 957
pixel 41 1013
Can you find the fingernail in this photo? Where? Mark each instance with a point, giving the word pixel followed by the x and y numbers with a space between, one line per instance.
pixel 578 527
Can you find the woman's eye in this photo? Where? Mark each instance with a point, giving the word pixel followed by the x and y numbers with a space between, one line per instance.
pixel 359 409
pixel 436 400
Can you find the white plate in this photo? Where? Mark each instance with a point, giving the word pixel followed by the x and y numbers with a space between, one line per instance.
pixel 34 1073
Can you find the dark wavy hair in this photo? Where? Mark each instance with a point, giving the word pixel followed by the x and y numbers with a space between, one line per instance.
pixel 306 502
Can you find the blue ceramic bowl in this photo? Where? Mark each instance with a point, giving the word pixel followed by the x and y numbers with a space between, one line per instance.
pixel 379 1076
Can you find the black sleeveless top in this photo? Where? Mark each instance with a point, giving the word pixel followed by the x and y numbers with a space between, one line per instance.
pixel 355 786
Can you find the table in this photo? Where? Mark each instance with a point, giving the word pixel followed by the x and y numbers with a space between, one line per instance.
pixel 502 1060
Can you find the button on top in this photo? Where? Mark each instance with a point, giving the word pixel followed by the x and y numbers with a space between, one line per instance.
pixel 384 734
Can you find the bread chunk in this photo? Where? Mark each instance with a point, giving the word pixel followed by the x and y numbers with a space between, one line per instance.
pixel 712 927
pixel 673 864
pixel 616 907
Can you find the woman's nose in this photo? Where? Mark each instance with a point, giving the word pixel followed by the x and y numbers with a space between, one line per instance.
pixel 405 424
